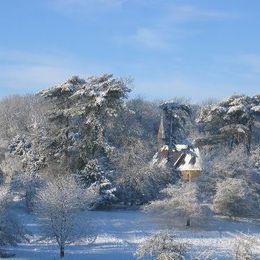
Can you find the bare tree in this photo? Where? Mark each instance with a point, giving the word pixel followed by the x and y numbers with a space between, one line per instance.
pixel 58 203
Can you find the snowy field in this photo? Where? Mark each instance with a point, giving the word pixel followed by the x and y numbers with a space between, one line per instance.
pixel 120 231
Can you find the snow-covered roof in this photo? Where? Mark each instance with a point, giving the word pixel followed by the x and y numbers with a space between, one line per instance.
pixel 191 162
pixel 177 147
pixel 180 147
pixel 185 158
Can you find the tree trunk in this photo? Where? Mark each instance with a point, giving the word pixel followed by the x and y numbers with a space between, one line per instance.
pixel 188 222
pixel 61 251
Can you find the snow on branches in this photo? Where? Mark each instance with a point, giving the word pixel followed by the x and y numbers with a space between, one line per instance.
pixel 229 121
pixel 179 205
pixel 58 203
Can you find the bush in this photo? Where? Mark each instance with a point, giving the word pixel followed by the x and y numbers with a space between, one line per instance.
pixel 234 198
pixel 243 247
pixel 162 246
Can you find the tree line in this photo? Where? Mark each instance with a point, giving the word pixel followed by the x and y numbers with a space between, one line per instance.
pixel 84 144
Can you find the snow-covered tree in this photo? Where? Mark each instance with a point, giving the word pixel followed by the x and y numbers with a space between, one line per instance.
pixel 23 164
pixel 79 110
pixel 230 121
pixel 20 117
pixel 234 197
pixel 138 121
pixel 79 113
pixel 173 121
pixel 179 205
pixel 58 202
pixel 162 246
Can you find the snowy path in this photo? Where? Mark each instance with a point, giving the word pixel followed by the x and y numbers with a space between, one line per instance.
pixel 119 232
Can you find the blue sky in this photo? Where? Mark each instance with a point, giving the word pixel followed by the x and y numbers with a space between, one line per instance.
pixel 196 48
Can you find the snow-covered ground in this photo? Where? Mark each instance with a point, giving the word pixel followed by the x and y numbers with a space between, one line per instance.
pixel 120 231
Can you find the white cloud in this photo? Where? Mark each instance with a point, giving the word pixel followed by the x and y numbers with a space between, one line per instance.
pixel 187 13
pixel 146 37
pixel 171 25
pixel 243 66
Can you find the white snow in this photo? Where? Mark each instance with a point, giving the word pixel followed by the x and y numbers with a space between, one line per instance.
pixel 120 231
pixel 241 130
pixel 99 100
pixel 256 108
pixel 236 109
pixel 219 109
pixel 180 147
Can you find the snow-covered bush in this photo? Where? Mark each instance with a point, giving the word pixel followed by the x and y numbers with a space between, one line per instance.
pixel 58 203
pixel 180 205
pixel 162 246
pixel 243 247
pixel 234 197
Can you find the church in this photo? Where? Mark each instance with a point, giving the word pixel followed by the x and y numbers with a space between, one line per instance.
pixel 184 158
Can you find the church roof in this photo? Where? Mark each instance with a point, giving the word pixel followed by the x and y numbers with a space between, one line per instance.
pixel 191 162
